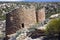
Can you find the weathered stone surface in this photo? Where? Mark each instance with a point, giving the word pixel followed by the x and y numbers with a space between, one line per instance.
pixel 41 15
pixel 12 22
pixel 23 17
pixel 28 16
pixel 36 34
pixel 20 18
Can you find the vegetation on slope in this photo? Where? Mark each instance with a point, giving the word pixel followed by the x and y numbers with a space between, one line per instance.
pixel 53 26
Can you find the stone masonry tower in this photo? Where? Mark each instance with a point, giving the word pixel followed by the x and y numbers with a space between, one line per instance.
pixel 27 16
pixel 22 17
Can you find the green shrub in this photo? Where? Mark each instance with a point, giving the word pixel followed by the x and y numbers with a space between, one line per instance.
pixel 53 26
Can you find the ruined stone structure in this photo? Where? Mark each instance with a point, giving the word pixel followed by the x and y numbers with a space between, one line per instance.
pixel 27 16
pixel 12 22
pixel 23 17
pixel 20 18
pixel 41 15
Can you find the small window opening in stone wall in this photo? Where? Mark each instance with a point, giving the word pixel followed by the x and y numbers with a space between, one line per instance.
pixel 22 25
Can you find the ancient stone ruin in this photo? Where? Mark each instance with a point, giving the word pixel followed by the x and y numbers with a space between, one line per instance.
pixel 41 15
pixel 23 17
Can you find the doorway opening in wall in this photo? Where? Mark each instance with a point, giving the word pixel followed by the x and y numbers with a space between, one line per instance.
pixel 22 25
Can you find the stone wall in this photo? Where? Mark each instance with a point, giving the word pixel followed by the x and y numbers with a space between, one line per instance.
pixel 20 18
pixel 28 16
pixel 23 17
pixel 12 22
pixel 41 15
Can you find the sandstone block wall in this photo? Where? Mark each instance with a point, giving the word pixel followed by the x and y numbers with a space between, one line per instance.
pixel 20 18
pixel 12 22
pixel 41 15
pixel 23 17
